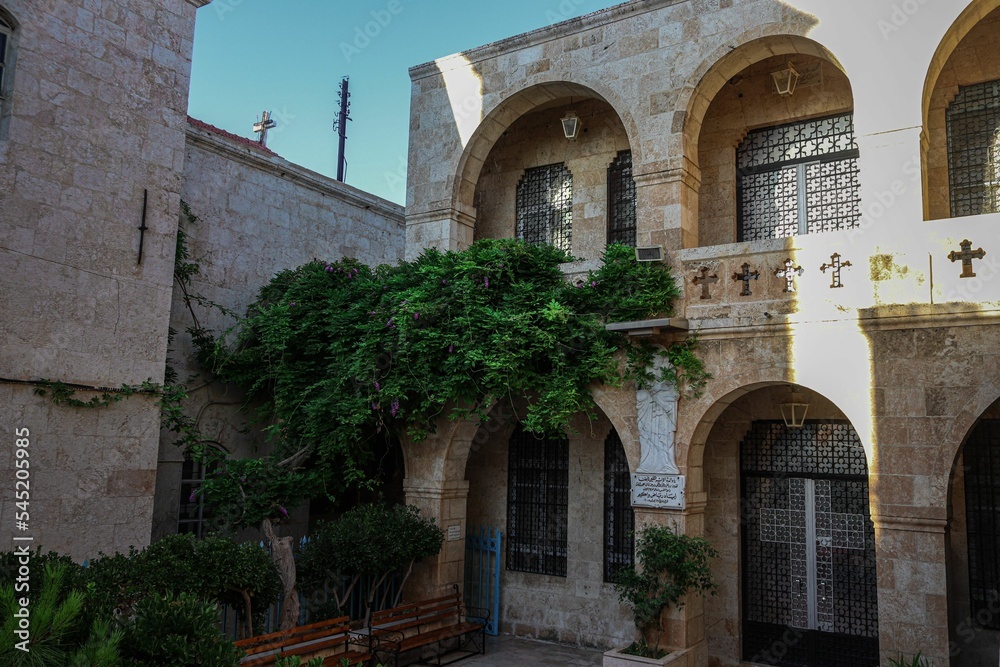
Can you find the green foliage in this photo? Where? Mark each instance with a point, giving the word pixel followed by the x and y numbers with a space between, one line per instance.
pixel 670 566
pixel 368 540
pixel 59 632
pixel 296 661
pixel 340 352
pixel 915 661
pixel 215 568
pixel 180 631
pixel 37 562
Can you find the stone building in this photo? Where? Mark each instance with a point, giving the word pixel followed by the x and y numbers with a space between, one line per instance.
pixel 95 143
pixel 820 234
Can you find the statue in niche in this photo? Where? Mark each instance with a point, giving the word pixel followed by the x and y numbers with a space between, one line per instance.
pixel 657 409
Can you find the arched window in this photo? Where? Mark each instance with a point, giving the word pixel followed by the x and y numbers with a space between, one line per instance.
pixel 619 517
pixel 798 179
pixel 621 200
pixel 537 504
pixel 974 150
pixel 6 39
pixel 982 502
pixel 545 206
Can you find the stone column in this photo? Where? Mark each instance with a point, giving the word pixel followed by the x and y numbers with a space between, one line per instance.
pixel 912 585
pixel 444 501
pixel 684 627
pixel 444 229
pixel 667 205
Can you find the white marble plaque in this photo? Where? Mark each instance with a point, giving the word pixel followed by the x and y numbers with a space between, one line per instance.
pixel 658 491
pixel 454 533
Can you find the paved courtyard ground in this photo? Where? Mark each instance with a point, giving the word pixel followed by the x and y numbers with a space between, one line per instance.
pixel 514 652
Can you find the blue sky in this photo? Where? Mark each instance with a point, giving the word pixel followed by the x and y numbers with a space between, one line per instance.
pixel 288 56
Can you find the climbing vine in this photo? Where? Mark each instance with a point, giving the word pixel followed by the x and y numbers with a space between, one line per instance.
pixel 339 353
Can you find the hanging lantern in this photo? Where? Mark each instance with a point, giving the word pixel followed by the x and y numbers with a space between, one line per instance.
pixel 571 126
pixel 785 80
pixel 793 412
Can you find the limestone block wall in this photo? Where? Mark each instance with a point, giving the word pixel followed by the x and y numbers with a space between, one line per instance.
pixel 579 608
pixel 537 140
pixel 96 116
pixel 258 215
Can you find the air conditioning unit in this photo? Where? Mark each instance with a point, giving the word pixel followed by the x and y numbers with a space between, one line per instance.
pixel 649 254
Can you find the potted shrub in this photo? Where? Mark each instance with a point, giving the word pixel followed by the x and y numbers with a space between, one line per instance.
pixel 670 567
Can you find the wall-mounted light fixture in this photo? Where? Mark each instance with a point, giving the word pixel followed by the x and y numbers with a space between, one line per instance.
pixel 786 79
pixel 571 125
pixel 793 411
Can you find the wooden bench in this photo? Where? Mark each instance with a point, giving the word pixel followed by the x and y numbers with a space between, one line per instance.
pixel 331 640
pixel 429 623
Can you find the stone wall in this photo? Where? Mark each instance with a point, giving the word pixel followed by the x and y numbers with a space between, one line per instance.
pixel 257 215
pixel 579 608
pixel 97 108
pixel 537 140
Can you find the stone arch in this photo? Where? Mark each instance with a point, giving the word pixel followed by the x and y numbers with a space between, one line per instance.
pixel 727 61
pixel 517 104
pixel 962 26
pixel 705 416
pixel 963 424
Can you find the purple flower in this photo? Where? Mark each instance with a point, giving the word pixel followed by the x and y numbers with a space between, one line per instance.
pixel 244 478
pixel 395 407
pixel 193 496
pixel 416 316
pixel 375 407
pixel 389 323
pixel 487 282
pixel 451 348
pixel 378 387
pixel 593 283
pixel 292 304
pixel 283 511
pixel 371 312
pixel 444 281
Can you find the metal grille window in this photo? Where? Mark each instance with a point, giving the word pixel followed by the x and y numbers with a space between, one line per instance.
pixel 809 569
pixel 537 504
pixel 619 517
pixel 973 121
pixel 6 32
pixel 621 200
pixel 545 206
pixel 195 516
pixel 982 508
pixel 798 179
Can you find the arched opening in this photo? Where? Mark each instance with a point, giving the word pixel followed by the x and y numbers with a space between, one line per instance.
pixel 560 503
pixel 773 164
pixel 962 118
pixel 788 510
pixel 523 177
pixel 974 545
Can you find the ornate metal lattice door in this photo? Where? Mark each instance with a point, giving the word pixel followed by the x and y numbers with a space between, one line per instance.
pixel 809 585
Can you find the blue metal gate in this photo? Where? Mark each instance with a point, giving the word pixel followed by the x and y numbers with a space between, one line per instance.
pixel 482 572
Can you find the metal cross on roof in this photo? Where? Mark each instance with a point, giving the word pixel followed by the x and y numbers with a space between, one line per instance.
pixel 262 126
pixel 967 255
pixel 789 273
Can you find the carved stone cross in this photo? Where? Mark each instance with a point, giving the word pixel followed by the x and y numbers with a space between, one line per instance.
pixel 836 266
pixel 967 255
pixel 706 281
pixel 789 273
pixel 745 278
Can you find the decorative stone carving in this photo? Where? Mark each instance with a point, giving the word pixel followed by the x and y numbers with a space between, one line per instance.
pixel 657 411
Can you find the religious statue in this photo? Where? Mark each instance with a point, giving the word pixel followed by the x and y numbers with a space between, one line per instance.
pixel 657 410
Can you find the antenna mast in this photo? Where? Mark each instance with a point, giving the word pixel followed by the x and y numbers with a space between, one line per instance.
pixel 340 127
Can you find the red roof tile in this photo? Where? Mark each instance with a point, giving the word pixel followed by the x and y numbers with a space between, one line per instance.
pixel 235 138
